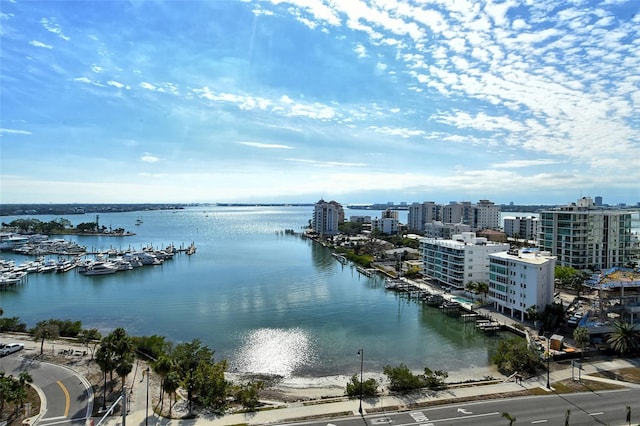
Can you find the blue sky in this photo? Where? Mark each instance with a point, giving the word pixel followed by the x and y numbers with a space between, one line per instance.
pixel 530 101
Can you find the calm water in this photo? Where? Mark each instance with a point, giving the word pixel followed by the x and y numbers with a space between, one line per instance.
pixel 266 302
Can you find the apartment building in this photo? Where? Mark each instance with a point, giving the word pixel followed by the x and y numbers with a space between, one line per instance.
pixel 524 227
pixel 327 215
pixel 458 261
pixel 388 223
pixel 584 236
pixel 486 215
pixel 421 214
pixel 520 279
pixel 444 230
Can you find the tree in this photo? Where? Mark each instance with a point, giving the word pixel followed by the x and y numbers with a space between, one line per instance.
pixel 582 337
pixel 187 358
pixel 44 330
pixel 163 366
pixel 369 387
pixel 533 314
pixel 90 338
pixel 510 418
pixel 624 338
pixel 247 394
pixel 104 359
pixel 401 379
pixel 514 355
pixel 122 352
pixel 435 379
pixel 170 385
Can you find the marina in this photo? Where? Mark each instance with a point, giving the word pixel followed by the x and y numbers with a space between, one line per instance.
pixel 265 300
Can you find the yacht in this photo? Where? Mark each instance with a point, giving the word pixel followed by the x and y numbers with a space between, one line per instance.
pixel 101 268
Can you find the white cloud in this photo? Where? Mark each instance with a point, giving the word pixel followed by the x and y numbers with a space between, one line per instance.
pixel 14 131
pixel 149 158
pixel 522 163
pixel 116 84
pixel 324 163
pixel 52 26
pixel 265 145
pixel 37 43
pixel 148 86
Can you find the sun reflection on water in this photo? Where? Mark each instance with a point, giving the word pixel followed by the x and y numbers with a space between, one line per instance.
pixel 274 351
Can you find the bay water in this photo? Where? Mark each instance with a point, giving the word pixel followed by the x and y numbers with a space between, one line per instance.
pixel 265 301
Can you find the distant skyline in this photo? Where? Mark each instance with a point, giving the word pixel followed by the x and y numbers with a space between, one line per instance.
pixel 524 101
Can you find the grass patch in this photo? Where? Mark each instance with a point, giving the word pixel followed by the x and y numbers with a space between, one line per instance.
pixel 571 386
pixel 629 374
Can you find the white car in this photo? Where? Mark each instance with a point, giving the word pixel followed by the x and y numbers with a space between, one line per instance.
pixel 11 348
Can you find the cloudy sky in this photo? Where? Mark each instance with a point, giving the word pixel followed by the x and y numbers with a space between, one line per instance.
pixel 530 101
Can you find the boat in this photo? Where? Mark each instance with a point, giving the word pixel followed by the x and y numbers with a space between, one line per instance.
pixel 147 258
pixel 101 268
pixel 64 265
pixel 12 241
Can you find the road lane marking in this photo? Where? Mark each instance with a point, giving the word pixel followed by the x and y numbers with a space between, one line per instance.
pixel 67 399
pixel 596 414
pixel 538 421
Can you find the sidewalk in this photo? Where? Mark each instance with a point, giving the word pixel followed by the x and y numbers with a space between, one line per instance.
pixel 345 408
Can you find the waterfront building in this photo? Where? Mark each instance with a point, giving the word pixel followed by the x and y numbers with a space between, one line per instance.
pixel 486 215
pixel 524 227
pixel 388 223
pixel 583 236
pixel 326 217
pixel 360 219
pixel 421 214
pixel 445 230
pixel 458 261
pixel 458 212
pixel 520 279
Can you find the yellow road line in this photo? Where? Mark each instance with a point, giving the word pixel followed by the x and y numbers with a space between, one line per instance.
pixel 66 397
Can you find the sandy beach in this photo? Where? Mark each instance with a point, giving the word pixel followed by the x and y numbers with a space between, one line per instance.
pixel 280 391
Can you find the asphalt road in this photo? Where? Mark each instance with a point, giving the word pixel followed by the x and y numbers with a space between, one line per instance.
pixel 68 399
pixel 602 408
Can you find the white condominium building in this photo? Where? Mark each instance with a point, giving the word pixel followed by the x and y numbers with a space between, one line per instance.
pixel 326 217
pixel 460 260
pixel 524 227
pixel 520 279
pixel 389 222
pixel 584 236
pixel 487 215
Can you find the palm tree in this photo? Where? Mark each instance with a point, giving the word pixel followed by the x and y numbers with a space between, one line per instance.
pixel 624 338
pixel 44 330
pixel 582 337
pixel 170 385
pixel 509 417
pixel 163 367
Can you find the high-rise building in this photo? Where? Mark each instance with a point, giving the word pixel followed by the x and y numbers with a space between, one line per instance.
pixel 520 279
pixel 460 260
pixel 584 236
pixel 420 214
pixel 326 217
pixel 525 227
pixel 388 223
pixel 486 215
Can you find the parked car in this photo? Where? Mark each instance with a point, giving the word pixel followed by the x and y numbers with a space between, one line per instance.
pixel 11 348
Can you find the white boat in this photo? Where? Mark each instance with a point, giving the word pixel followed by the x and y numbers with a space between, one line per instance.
pixel 147 258
pixel 64 265
pixel 101 268
pixel 12 241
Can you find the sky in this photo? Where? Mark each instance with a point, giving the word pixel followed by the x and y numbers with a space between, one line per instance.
pixel 524 101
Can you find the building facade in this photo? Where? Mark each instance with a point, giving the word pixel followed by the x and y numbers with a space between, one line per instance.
pixel 388 223
pixel 584 236
pixel 445 230
pixel 327 215
pixel 520 279
pixel 458 261
pixel 421 214
pixel 522 227
pixel 486 215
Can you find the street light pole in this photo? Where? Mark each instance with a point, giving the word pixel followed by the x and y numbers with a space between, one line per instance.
pixel 548 359
pixel 361 353
pixel 146 418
